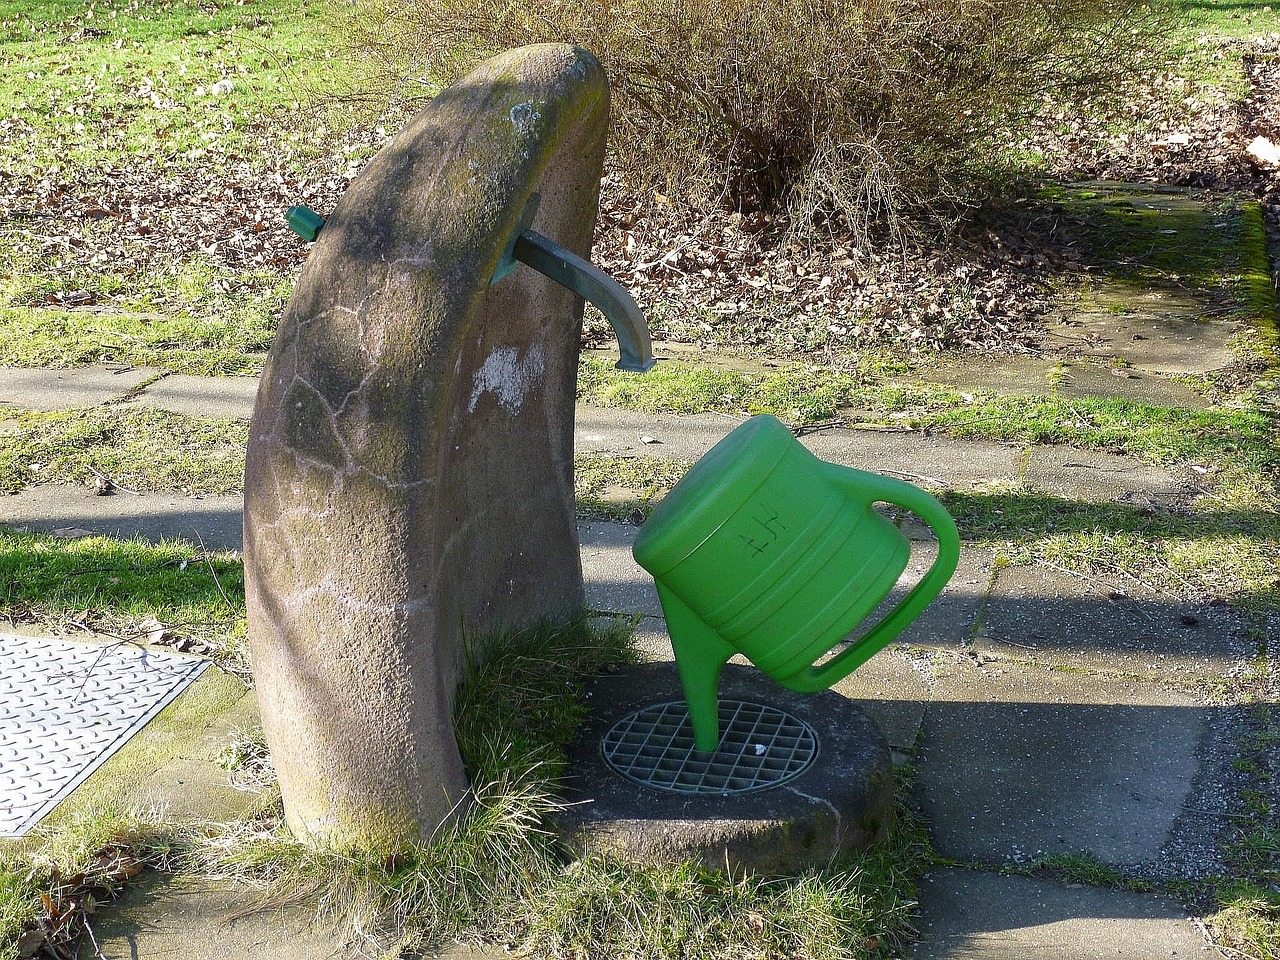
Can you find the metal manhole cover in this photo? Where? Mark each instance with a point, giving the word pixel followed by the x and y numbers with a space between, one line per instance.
pixel 760 747
pixel 66 708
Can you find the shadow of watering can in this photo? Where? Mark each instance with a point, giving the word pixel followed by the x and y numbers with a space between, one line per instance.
pixel 765 550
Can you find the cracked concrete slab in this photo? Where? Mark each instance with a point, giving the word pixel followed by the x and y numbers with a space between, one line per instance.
pixel 973 915
pixel 1170 339
pixel 1099 380
pixel 1054 616
pixel 1097 477
pixel 951 618
pixel 228 398
pixel 1019 376
pixel 1019 761
pixel 75 388
pixel 893 689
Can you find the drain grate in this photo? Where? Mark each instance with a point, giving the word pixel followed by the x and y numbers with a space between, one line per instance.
pixel 760 747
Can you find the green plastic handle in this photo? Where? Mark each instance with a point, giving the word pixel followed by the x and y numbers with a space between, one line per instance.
pixel 901 494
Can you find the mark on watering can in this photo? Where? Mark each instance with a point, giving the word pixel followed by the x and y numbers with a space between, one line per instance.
pixel 771 524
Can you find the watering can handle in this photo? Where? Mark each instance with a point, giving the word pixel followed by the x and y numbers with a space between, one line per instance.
pixel 901 494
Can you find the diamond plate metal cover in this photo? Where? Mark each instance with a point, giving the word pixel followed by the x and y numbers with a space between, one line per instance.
pixel 65 708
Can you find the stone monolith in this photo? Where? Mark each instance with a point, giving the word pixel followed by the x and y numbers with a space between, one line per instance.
pixel 410 463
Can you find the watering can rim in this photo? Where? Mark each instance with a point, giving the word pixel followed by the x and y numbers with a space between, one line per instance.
pixel 700 516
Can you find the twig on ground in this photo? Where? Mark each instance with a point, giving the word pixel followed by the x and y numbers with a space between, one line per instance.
pixel 915 476
pixel 214 573
pixel 112 483
pixel 805 429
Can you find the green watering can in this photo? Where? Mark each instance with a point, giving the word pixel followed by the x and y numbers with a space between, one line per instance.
pixel 765 550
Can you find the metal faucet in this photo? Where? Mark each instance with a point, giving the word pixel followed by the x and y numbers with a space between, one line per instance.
pixel 586 280
pixel 563 266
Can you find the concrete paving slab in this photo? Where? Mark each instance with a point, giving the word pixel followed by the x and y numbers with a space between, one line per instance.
pixel 971 915
pixel 1098 380
pixel 75 388
pixel 48 507
pixel 618 432
pixel 1018 376
pixel 1097 477
pixel 893 688
pixel 193 918
pixel 171 763
pixel 615 583
pixel 1173 340
pixel 229 398
pixel 194 785
pixel 1054 616
pixel 197 919
pixel 928 461
pixel 952 617
pixel 1019 761
pixel 652 640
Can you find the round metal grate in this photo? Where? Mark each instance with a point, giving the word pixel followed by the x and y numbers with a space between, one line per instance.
pixel 760 747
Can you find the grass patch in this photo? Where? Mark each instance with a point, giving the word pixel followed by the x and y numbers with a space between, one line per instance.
pixel 209 346
pixel 96 84
pixel 53 878
pixel 149 153
pixel 803 396
pixel 1087 869
pixel 614 487
pixel 190 316
pixel 1248 920
pixel 1157 434
pixel 1212 551
pixel 1207 45
pixel 125 588
pixel 138 449
pixel 498 873
pixel 795 394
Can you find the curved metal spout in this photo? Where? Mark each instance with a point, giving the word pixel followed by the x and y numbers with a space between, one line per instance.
pixel 593 284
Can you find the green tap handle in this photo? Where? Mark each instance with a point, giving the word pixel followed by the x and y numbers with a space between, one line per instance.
pixel 901 494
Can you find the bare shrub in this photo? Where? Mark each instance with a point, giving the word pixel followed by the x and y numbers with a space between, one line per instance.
pixel 850 114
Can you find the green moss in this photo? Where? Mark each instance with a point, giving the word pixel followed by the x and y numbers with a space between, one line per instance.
pixel 794 393
pixel 614 487
pixel 122 587
pixel 1258 288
